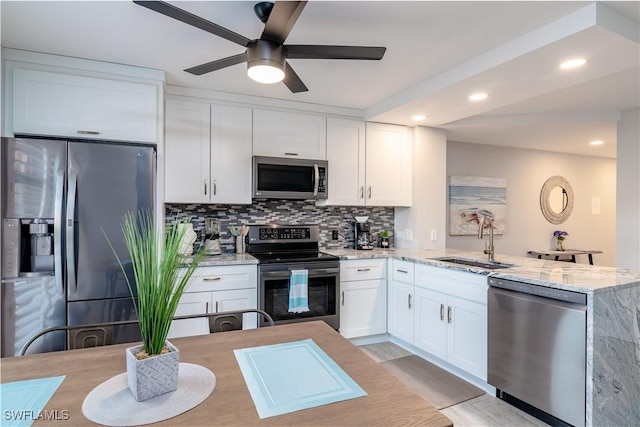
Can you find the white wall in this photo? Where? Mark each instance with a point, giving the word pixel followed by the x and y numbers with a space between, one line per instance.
pixel 429 192
pixel 628 191
pixel 525 172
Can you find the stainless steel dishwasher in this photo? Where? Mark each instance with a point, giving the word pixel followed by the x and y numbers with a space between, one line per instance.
pixel 537 349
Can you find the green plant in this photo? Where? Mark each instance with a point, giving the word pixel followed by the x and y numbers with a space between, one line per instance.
pixel 384 234
pixel 156 262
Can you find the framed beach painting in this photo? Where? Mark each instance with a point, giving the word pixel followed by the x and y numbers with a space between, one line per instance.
pixel 471 198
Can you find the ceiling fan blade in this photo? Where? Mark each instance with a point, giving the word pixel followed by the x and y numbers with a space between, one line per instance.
pixel 194 20
pixel 198 70
pixel 301 51
pixel 292 81
pixel 281 20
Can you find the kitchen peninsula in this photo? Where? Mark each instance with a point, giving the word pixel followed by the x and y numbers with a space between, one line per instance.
pixel 613 320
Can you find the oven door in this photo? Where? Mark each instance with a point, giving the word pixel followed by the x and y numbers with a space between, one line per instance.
pixel 323 289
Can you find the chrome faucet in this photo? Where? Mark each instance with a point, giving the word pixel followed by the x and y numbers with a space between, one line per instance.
pixel 488 249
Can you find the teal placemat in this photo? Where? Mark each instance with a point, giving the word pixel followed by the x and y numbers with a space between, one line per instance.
pixel 22 402
pixel 289 377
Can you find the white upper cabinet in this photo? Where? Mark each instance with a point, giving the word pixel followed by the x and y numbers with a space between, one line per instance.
pixel 368 165
pixel 281 134
pixel 388 165
pixel 187 152
pixel 208 153
pixel 346 156
pixel 56 104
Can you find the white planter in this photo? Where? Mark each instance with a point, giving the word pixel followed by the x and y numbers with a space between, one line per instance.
pixel 152 376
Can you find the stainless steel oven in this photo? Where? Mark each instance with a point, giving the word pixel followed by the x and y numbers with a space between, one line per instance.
pixel 283 248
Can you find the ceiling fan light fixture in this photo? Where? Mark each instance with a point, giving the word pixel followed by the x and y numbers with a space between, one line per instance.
pixel 265 73
pixel 265 61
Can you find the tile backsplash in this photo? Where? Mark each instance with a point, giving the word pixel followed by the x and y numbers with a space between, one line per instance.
pixel 287 212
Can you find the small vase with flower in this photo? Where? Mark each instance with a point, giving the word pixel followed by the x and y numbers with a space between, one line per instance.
pixel 560 238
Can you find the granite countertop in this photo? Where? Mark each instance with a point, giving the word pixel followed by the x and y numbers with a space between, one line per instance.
pixel 225 258
pixel 570 276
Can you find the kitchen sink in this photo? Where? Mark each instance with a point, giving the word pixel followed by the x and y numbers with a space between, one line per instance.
pixel 491 265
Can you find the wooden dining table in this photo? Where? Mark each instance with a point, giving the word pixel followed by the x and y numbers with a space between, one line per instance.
pixel 388 401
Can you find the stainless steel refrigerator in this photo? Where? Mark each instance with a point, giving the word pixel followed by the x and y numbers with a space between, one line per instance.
pixel 57 266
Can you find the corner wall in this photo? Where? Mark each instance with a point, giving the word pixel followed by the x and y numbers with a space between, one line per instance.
pixel 525 172
pixel 628 191
pixel 429 192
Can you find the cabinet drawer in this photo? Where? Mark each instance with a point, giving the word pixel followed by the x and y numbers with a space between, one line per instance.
pixel 470 286
pixel 224 278
pixel 363 269
pixel 403 271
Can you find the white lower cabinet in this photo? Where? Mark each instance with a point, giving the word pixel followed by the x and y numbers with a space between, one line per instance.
pixel 451 317
pixel 217 289
pixel 442 312
pixel 363 297
pixel 401 304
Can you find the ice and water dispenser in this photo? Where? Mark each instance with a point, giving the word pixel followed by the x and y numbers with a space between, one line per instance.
pixel 27 247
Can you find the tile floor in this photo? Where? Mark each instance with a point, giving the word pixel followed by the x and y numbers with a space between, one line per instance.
pixel 485 410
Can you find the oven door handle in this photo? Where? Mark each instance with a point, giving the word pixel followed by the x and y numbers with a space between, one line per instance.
pixel 312 273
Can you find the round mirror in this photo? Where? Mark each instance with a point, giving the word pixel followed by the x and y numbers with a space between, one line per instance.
pixel 556 199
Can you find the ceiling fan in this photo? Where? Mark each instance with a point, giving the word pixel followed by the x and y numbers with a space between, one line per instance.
pixel 266 57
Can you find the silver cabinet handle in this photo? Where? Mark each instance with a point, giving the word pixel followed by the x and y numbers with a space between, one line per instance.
pixel 342 302
pixel 205 187
pixel 402 271
pixel 364 269
pixel 207 307
pixel 290 154
pixel 441 312
pixel 217 306
pixel 449 314
pixel 369 191
pixel 88 132
pixel 215 187
pixel 409 301
pixel 211 279
pixel 362 191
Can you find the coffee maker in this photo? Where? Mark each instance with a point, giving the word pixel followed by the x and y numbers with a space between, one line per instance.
pixel 212 236
pixel 362 233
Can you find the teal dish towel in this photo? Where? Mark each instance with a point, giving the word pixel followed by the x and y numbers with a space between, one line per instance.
pixel 299 291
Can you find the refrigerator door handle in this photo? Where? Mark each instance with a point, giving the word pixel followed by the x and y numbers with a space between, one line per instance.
pixel 57 231
pixel 70 225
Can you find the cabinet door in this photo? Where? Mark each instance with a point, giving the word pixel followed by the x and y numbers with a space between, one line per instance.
pixel 46 103
pixel 191 303
pixel 467 336
pixel 346 156
pixel 431 322
pixel 388 165
pixel 187 152
pixel 237 299
pixel 280 134
pixel 230 154
pixel 401 322
pixel 363 308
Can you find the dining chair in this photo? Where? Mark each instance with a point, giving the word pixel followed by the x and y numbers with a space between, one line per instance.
pixel 82 336
pixel 227 320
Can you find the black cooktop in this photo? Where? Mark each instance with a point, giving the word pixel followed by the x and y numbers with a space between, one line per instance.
pixel 288 257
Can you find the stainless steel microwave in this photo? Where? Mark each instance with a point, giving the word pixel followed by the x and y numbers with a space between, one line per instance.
pixel 286 178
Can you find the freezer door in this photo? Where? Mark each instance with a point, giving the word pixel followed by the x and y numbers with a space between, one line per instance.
pixel 30 305
pixel 105 181
pixel 30 172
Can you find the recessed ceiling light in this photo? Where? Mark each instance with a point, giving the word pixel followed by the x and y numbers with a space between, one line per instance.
pixel 418 117
pixel 478 96
pixel 599 142
pixel 573 63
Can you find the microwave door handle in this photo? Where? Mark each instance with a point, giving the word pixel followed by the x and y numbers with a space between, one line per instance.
pixel 316 175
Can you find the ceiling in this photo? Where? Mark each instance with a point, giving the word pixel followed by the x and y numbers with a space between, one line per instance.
pixel 437 54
